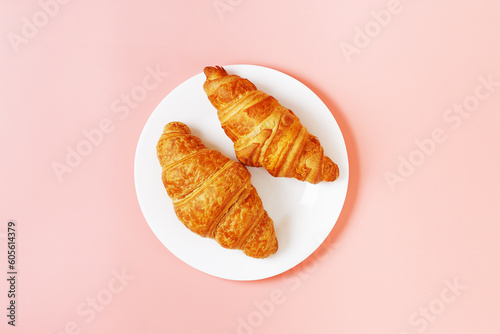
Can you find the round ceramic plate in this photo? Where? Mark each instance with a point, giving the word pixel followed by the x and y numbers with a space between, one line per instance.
pixel 303 213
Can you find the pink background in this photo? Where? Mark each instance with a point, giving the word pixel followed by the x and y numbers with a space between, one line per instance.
pixel 418 255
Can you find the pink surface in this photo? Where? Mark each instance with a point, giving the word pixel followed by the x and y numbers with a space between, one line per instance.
pixel 414 86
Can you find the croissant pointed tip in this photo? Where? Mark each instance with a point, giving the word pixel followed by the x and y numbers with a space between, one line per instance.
pixel 330 170
pixel 176 127
pixel 212 72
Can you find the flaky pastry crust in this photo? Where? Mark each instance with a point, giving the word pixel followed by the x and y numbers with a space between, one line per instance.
pixel 264 133
pixel 213 195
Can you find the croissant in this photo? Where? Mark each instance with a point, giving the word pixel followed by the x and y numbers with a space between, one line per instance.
pixel 264 132
pixel 212 194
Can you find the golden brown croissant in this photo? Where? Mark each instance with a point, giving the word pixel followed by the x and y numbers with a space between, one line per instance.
pixel 264 132
pixel 212 194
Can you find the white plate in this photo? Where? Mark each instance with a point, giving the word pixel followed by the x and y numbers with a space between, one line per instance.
pixel 303 213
